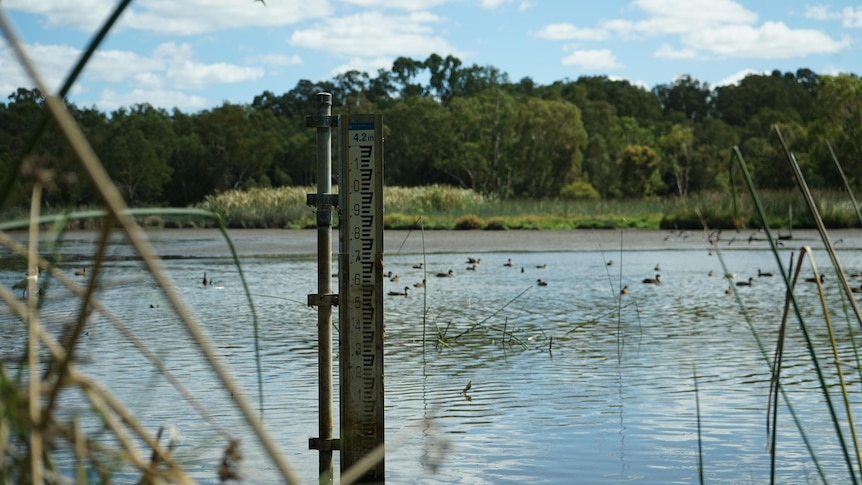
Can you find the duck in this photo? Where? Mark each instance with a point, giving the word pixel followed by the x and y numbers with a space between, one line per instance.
pixel 814 280
pixel 394 279
pixel 448 274
pixel 856 289
pixel 81 272
pixel 541 282
pixel 711 273
pixel 653 281
pixel 625 290
pixel 472 267
pixel 750 282
pixel 400 293
pixel 472 260
pixel 421 284
pixel 509 263
pixel 205 280
pixel 763 273
pixel 418 266
pixel 728 291
pixel 541 266
pixel 657 267
pixel 610 263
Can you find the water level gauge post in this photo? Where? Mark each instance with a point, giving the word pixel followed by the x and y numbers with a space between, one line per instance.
pixel 361 290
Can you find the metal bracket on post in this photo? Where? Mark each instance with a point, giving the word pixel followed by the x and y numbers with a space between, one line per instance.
pixel 330 299
pixel 324 204
pixel 324 445
pixel 328 121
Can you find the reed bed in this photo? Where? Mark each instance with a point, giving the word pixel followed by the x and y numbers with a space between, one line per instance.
pixel 450 208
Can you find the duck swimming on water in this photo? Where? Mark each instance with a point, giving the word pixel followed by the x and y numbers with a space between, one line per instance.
pixel 400 293
pixel 653 281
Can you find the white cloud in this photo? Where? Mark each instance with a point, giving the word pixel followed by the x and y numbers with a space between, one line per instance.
pixel 170 64
pixel 592 59
pixel 52 63
pixel 180 17
pixel 727 29
pixel 817 12
pixel 364 64
pixel 665 51
pixel 492 4
pixel 183 72
pixel 398 4
pixel 772 40
pixel 525 5
pixel 111 100
pixel 736 77
pixel 85 15
pixel 851 17
pixel 566 31
pixel 372 34
pixel 275 60
pixel 688 14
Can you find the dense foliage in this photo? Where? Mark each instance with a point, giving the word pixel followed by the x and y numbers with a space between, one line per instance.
pixel 592 138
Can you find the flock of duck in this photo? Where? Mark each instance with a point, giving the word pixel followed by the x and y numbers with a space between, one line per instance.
pixel 473 264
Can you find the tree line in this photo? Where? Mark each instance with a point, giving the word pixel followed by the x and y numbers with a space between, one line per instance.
pixel 472 127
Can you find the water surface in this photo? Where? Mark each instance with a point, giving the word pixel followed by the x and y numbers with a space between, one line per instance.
pixel 571 382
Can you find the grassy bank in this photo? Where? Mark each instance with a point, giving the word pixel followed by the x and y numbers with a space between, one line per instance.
pixel 442 207
pixel 449 208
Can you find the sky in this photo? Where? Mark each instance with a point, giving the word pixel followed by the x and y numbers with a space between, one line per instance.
pixel 195 55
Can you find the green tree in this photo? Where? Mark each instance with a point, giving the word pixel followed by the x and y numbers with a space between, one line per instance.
pixel 678 147
pixel 136 153
pixel 639 165
pixel 839 124
pixel 686 97
pixel 238 147
pixel 551 138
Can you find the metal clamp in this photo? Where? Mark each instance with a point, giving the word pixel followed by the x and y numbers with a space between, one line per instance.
pixel 322 200
pixel 324 445
pixel 329 121
pixel 330 299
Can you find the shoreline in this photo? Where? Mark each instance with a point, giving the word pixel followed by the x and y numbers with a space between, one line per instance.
pixel 275 242
pixel 200 243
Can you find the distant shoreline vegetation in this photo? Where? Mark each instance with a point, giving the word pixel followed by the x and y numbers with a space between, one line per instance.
pixel 440 207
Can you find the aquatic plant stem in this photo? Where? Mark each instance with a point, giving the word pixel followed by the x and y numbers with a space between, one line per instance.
pixel 795 304
pixel 760 346
pixel 699 427
pixel 35 382
pixel 821 228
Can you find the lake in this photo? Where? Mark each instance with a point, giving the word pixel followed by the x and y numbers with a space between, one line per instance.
pixel 570 382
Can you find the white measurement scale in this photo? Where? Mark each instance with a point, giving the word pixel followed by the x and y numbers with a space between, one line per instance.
pixel 361 289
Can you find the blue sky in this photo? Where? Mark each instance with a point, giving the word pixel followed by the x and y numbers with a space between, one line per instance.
pixel 197 54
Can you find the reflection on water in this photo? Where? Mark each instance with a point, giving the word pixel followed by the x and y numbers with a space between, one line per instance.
pixel 571 381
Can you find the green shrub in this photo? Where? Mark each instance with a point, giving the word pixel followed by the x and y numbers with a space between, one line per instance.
pixel 579 190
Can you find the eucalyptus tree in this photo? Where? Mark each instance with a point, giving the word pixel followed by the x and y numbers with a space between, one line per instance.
pixel 141 140
pixel 238 147
pixel 548 152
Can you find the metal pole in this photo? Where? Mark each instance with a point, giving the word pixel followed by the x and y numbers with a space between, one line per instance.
pixel 324 283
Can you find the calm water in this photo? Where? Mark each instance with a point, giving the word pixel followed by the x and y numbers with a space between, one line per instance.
pixel 571 382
